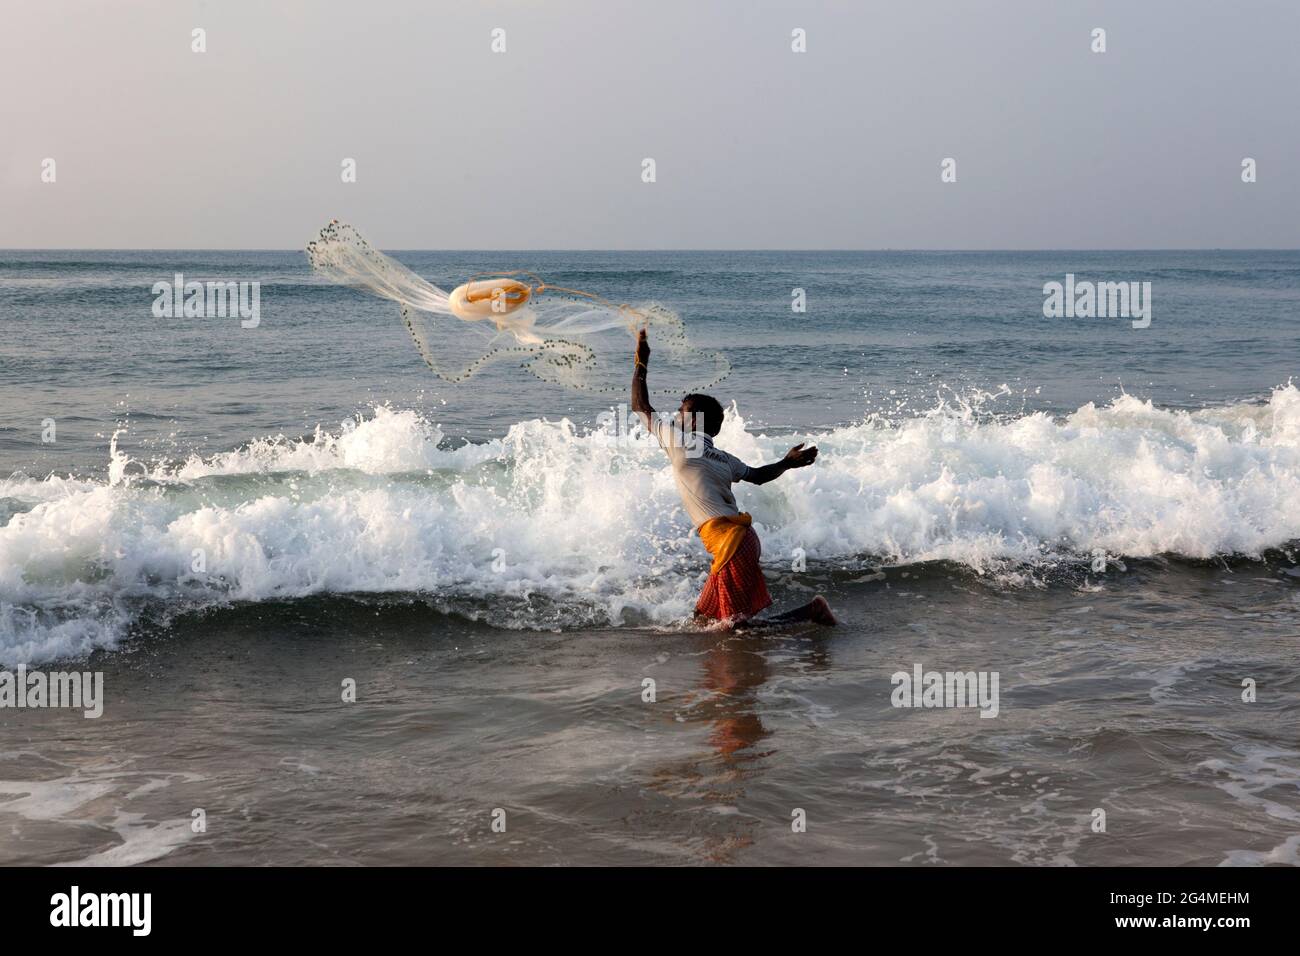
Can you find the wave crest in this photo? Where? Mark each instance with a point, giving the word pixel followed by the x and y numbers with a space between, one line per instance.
pixel 589 519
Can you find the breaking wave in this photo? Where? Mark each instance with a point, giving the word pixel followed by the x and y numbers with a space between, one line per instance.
pixel 588 521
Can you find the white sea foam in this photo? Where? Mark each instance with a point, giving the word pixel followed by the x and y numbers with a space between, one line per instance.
pixel 586 521
pixel 1262 779
pixel 76 801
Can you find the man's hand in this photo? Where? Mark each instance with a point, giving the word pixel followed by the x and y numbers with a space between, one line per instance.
pixel 643 349
pixel 800 457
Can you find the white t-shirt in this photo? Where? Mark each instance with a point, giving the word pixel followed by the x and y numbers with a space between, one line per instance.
pixel 704 474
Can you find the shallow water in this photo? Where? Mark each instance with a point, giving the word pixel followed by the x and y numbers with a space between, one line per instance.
pixel 500 581
pixel 1123 696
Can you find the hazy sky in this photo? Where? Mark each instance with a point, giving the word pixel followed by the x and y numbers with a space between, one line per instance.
pixel 755 146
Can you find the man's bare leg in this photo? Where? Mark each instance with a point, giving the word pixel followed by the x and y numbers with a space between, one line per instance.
pixel 817 610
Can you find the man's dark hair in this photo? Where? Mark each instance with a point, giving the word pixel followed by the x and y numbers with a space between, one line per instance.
pixel 708 408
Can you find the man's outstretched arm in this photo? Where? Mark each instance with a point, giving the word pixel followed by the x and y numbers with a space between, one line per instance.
pixel 796 457
pixel 640 390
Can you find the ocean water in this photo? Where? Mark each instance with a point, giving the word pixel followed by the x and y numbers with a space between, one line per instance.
pixel 1105 517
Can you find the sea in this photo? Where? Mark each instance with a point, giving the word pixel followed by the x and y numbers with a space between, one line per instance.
pixel 346 613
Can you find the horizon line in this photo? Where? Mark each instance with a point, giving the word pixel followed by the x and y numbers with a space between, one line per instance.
pixel 4 249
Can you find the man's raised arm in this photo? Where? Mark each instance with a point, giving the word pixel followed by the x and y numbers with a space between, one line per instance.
pixel 640 390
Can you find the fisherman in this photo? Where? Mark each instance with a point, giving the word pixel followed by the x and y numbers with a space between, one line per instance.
pixel 735 591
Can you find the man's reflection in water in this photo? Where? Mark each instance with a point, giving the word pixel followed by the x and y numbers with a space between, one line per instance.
pixel 734 669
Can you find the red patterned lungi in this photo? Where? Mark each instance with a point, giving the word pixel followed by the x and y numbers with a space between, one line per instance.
pixel 737 590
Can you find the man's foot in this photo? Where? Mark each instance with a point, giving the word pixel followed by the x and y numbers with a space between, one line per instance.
pixel 819 612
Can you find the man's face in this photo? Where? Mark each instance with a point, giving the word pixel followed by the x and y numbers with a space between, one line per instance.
pixel 687 419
